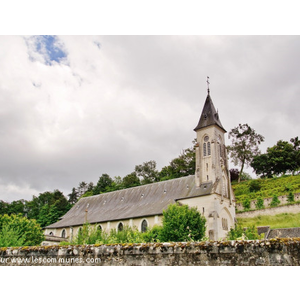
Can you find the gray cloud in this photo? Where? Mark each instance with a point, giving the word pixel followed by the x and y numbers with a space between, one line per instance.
pixel 116 101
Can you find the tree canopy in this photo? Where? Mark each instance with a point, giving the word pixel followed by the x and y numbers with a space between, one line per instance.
pixel 244 145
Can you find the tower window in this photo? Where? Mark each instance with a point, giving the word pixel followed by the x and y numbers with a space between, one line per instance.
pixel 204 149
pixel 208 148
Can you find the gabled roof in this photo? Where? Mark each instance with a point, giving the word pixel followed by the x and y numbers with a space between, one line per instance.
pixel 141 201
pixel 209 115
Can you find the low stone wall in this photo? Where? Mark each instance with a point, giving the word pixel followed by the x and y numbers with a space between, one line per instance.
pixel 291 208
pixel 267 201
pixel 277 252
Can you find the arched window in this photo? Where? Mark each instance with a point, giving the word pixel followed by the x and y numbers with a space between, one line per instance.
pixel 120 226
pixel 50 233
pixel 99 228
pixel 206 146
pixel 204 149
pixel 144 226
pixel 63 233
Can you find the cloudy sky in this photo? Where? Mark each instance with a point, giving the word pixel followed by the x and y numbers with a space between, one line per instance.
pixel 75 107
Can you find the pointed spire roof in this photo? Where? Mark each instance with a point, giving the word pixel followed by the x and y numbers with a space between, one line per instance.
pixel 209 115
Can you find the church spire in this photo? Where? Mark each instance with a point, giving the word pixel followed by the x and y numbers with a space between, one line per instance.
pixel 209 115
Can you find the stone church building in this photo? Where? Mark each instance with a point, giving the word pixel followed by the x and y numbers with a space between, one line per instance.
pixel 209 190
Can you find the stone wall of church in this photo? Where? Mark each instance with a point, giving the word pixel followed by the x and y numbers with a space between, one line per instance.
pixel 276 252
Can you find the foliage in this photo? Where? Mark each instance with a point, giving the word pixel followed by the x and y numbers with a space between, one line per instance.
pixel 182 223
pixel 90 234
pixel 259 203
pixel 244 145
pixel 275 201
pixel 290 197
pixel 131 180
pixel 282 158
pixel 103 184
pixel 246 204
pixel 19 230
pixel 268 187
pixel 284 220
pixel 255 185
pixel 147 171
pixel 249 233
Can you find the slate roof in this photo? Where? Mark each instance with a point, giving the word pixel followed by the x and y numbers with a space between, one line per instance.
pixel 141 201
pixel 209 115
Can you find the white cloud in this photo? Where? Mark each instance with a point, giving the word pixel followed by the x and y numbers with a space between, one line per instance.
pixel 116 101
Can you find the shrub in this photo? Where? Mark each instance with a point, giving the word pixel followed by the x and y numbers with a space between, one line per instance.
pixel 246 203
pixel 275 201
pixel 290 198
pixel 239 233
pixel 255 185
pixel 16 230
pixel 182 223
pixel 259 203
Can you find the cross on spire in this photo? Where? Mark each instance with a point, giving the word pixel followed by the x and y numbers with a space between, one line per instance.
pixel 207 84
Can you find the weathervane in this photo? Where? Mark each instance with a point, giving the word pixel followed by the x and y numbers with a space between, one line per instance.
pixel 207 84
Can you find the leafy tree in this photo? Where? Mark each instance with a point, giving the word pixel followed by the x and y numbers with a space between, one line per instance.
pixel 3 207
pixel 279 159
pixel 296 144
pixel 182 223
pixel 47 207
pixel 244 145
pixel 147 171
pixel 131 180
pixel 181 166
pixel 73 196
pixel 103 184
pixel 20 230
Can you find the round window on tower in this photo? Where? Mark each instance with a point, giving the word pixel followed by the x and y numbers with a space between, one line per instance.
pixel 206 138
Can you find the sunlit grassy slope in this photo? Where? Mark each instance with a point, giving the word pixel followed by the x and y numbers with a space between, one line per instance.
pixel 284 220
pixel 266 188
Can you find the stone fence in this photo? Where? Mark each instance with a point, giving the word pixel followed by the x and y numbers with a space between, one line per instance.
pixel 283 200
pixel 275 252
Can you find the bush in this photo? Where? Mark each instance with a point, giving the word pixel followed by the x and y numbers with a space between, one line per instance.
pixel 16 230
pixel 239 233
pixel 291 197
pixel 246 204
pixel 275 201
pixel 181 224
pixel 255 185
pixel 259 203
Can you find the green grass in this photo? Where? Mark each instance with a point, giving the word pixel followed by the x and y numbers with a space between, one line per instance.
pixel 284 220
pixel 266 188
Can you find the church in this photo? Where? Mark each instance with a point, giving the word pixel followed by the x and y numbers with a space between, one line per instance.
pixel 142 207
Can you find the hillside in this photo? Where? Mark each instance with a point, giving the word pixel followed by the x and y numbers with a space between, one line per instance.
pixel 266 188
pixel 284 220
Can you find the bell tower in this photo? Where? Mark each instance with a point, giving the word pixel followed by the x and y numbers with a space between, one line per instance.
pixel 211 156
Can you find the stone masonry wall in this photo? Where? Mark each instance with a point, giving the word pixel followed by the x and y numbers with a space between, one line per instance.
pixel 283 200
pixel 276 252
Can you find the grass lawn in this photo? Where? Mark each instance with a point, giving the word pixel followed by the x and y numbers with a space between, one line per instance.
pixel 284 220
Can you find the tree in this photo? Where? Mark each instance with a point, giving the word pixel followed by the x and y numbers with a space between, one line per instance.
pixel 73 197
pixel 16 230
pixel 182 223
pixel 103 184
pixel 244 145
pixel 279 159
pixel 130 180
pixel 296 153
pixel 147 171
